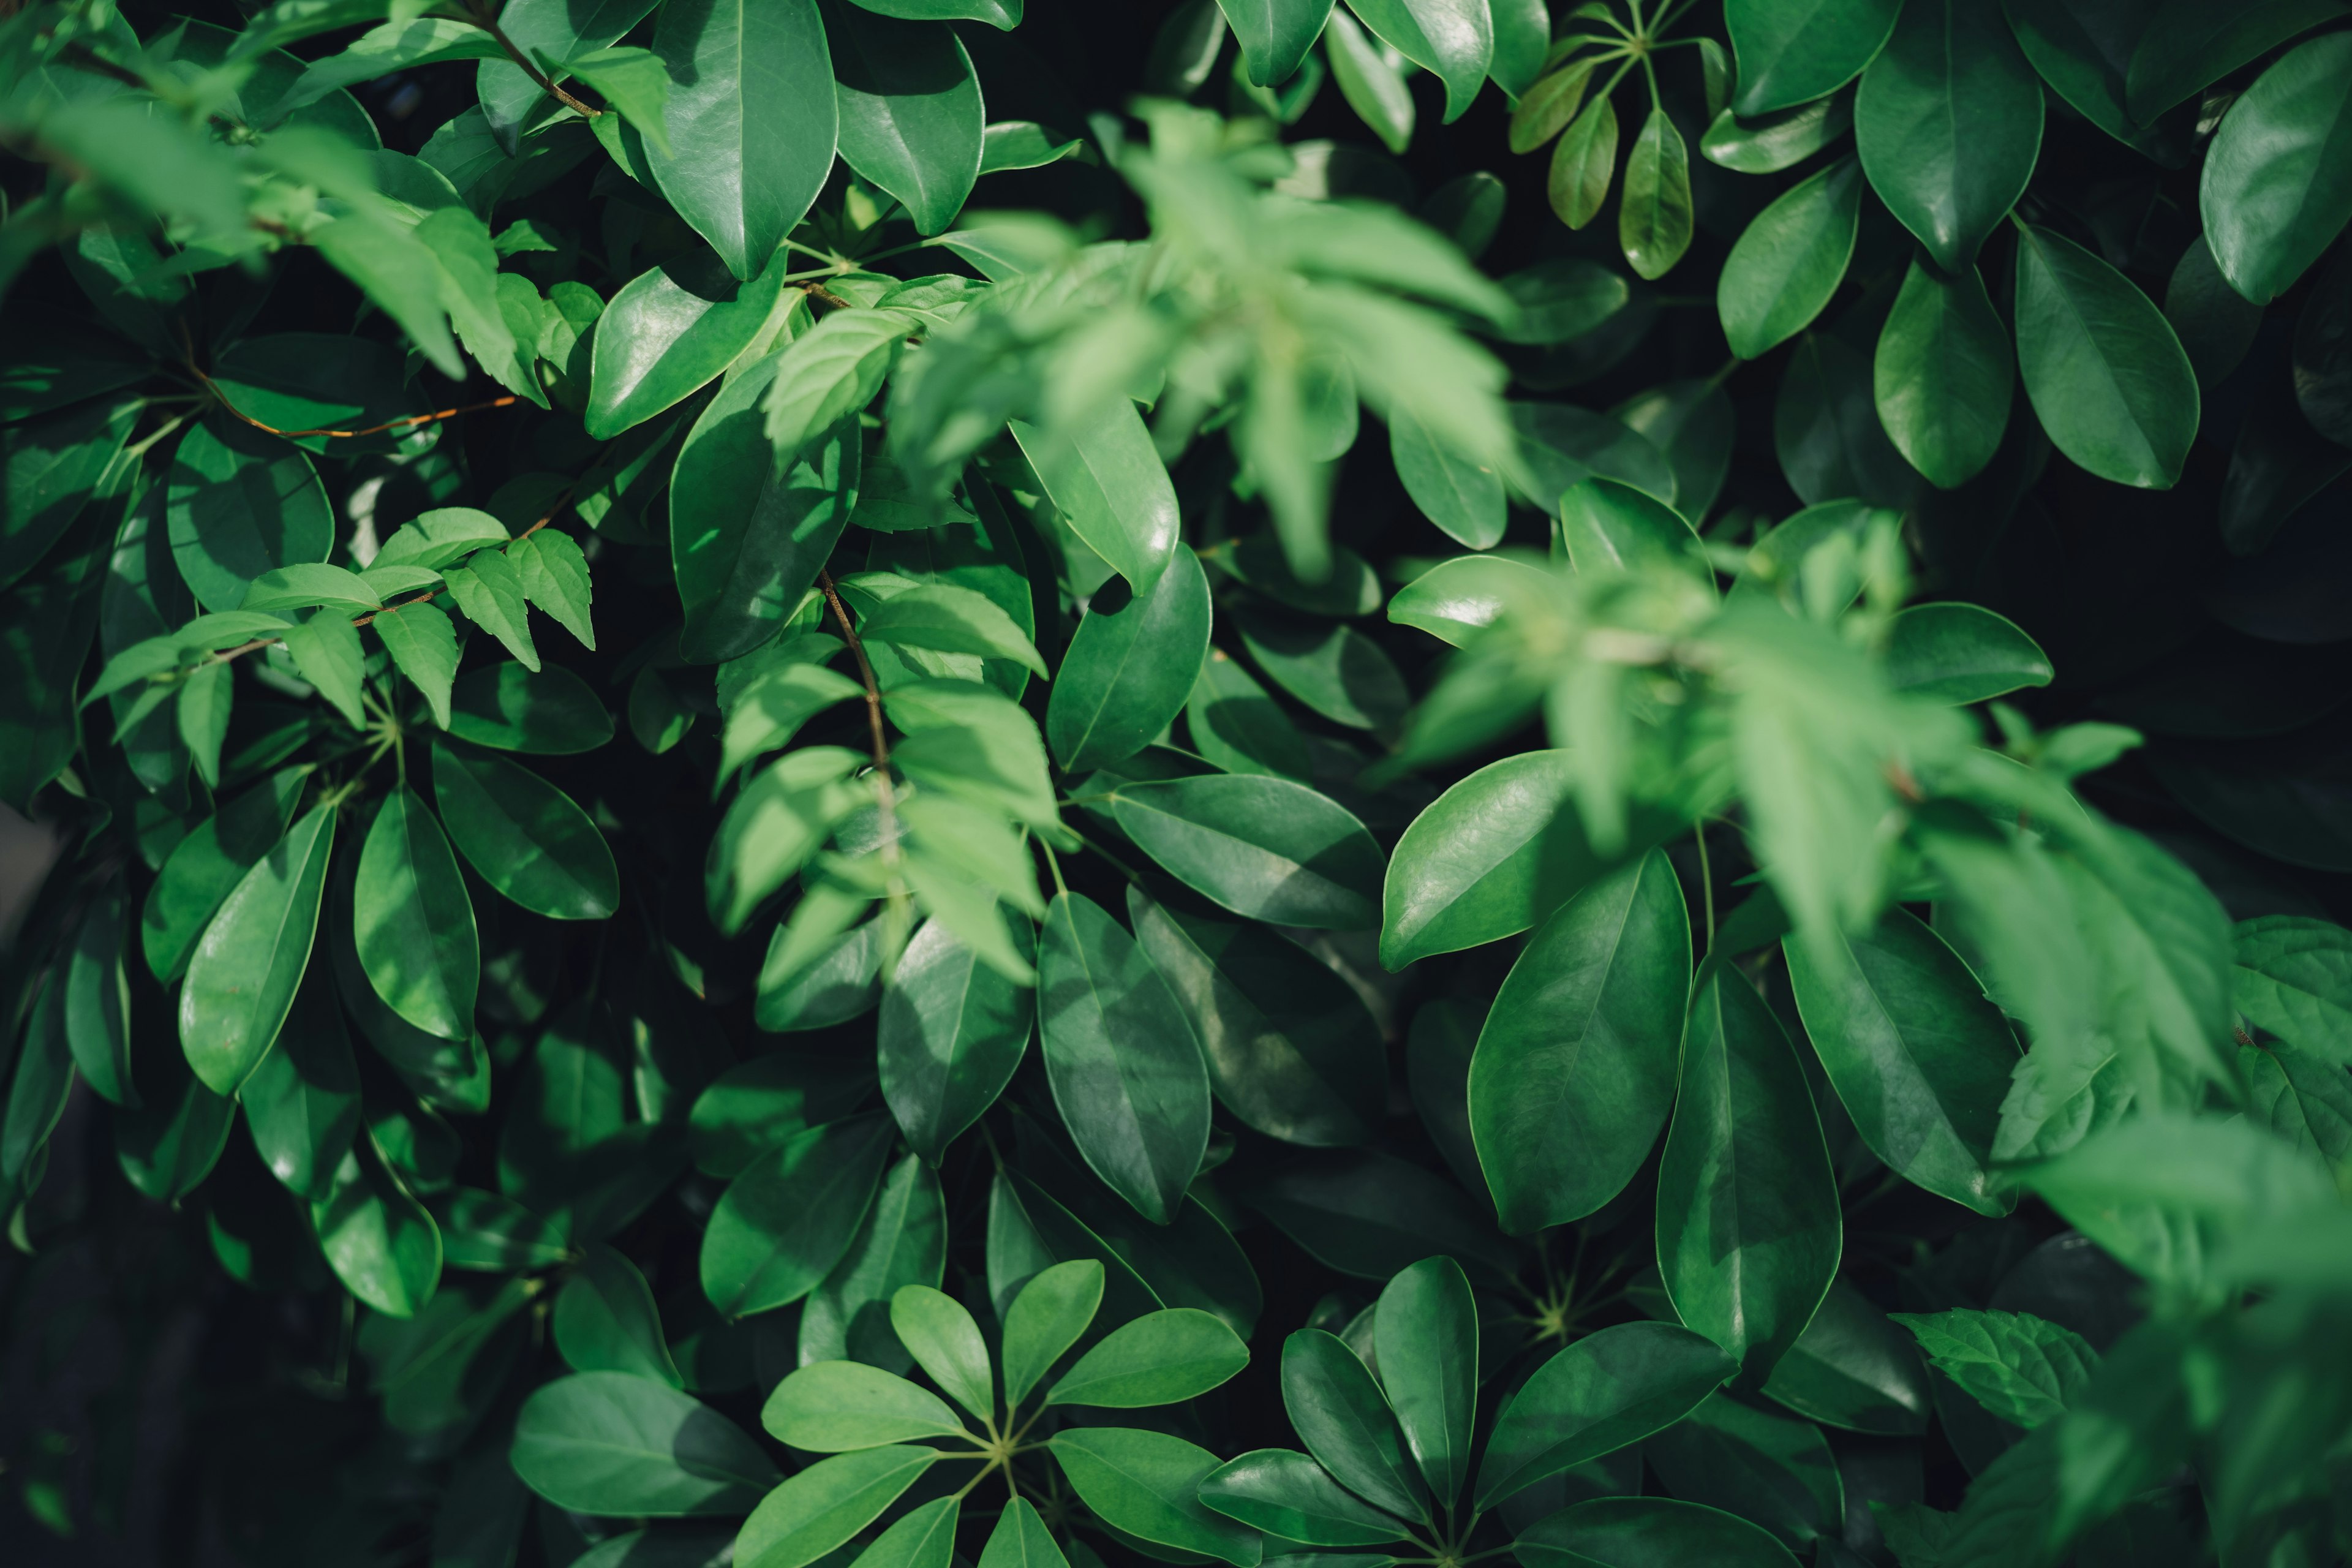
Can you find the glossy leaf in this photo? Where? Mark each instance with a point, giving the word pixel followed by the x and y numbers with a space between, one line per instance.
pixel 2105 371
pixel 1648 1530
pixel 1790 260
pixel 1290 1050
pixel 241 504
pixel 1463 498
pixel 911 120
pixel 413 922
pixel 1454 598
pixel 946 1343
pixel 1129 668
pixel 1287 1494
pixel 1573 1076
pixel 548 712
pixel 836 1407
pixel 1852 1368
pixel 782 1225
pixel 607 1443
pixel 1425 1332
pixel 1112 485
pixel 1943 375
pixel 1234 724
pixel 1340 1412
pixel 2277 183
pixel 818 1508
pixel 1653 218
pixel 671 330
pixel 1948 123
pixel 752 120
pixel 242 974
pixel 526 837
pixel 605 1320
pixel 952 1031
pixel 1454 39
pixel 1160 1358
pixel 1125 1069
pixel 380 1242
pixel 1275 35
pixel 1789 52
pixel 1582 162
pixel 901 1245
pixel 1749 1227
pixel 95 1002
pixel 302 1103
pixel 1265 847
pixel 1766 144
pixel 1144 1484
pixel 1770 1469
pixel 1603 1393
pixel 1961 653
pixel 1044 1320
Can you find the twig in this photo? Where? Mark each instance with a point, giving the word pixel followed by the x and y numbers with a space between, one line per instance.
pixel 234 412
pixel 487 21
pixel 864 669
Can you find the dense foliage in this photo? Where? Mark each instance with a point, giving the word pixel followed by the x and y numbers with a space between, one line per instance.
pixel 614 605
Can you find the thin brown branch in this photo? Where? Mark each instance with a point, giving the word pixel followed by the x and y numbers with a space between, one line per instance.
pixel 408 421
pixel 486 20
pixel 865 669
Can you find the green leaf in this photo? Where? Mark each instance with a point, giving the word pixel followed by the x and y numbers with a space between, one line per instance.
pixel 1854 1369
pixel 634 84
pixel 1943 375
pixel 1606 526
pixel 751 116
pixel 1603 1393
pixel 1766 144
pixel 37 1091
pixel 1264 847
pixel 814 986
pixel 302 1103
pixel 489 591
pixel 1454 39
pixel 1461 497
pixel 821 378
pixel 1961 653
pixel 548 712
pixel 326 649
pixel 2293 978
pixel 94 1000
pixel 1948 123
pixel 1010 145
pixel 524 835
pixel 1772 1470
pixel 769 693
pixel 301 586
pixel 605 1320
pixel 835 1407
pixel 1654 219
pixel 439 537
pixel 1648 1530
pixel 1791 51
pixel 1582 162
pixel 766 1103
pixel 902 1243
pixel 1827 432
pixel 1562 445
pixel 51 470
pixel 946 1343
pixel 782 1225
pixel 202 712
pixel 1288 1044
pixel 818 1508
pixel 1161 1357
pixel 1574 1072
pixel 1109 484
pixel 1341 1414
pixel 1749 1228
pixel 1236 726
pixel 922 1538
pixel 2277 183
pixel 1275 35
pixel 2023 1369
pixel 953 1030
pixel 969 741
pixel 750 539
pixel 674 328
pixel 1370 79
pixel 394 47
pixel 1144 1484
pixel 911 120
pixel 555 578
pixel 491 1233
pixel 206 865
pixel 1045 1320
pixel 243 970
pixel 1544 111
pixel 414 925
pixel 1126 1071
pixel 780 819
pixel 1287 1494
pixel 1370 1214
pixel 1789 261
pixel 424 644
pixel 1130 668
pixel 1426 1334
pixel 167 1148
pixel 954 620
pixel 1918 1055
pixel 241 504
pixel 379 1241
pixel 2100 362
pixel 607 1443
pixel 1454 598
pixel 2188 48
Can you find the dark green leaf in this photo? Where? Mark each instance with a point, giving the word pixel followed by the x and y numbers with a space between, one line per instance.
pixel 1634 1531
pixel 1373 88
pixel 1454 40
pixel 1827 432
pixel 415 926
pixel 1126 1071
pixel 901 1246
pixel 2105 371
pixel 1852 1368
pixel 2277 183
pixel 302 1103
pixel 1583 163
pixel 2023 1369
pixel 1562 445
pixel 769 1101
pixel 1790 260
pixel 1344 1418
pixel 1606 1392
pixel 1287 1494
pixel 1769 143
pixel 242 503
pixel 1368 1214
pixel 1654 220
pixel 673 329
pixel 1265 847
pixel 911 120
pixel 784 1222
pixel 524 835
pixel 1463 498
pixel 551 712
pixel 953 1030
pixel 1790 51
pixel 1574 1072
pixel 605 1320
pixel 380 1242
pixel 1943 375
pixel 1948 123
pixel 50 469
pixel 1426 1334
pixel 1961 653
pixel 1109 483
pixel 95 1000
pixel 1454 598
pixel 1275 35
pixel 823 1506
pixel 607 1443
pixel 1130 668
pixel 1161 1357
pixel 1143 1483
pixel 1236 725
pixel 1770 1469
pixel 1749 1228
pixel 752 118
pixel 243 970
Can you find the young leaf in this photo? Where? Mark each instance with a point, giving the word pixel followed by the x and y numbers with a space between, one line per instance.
pixel 424 644
pixel 946 1343
pixel 1583 164
pixel 2023 1369
pixel 818 1508
pixel 1045 1320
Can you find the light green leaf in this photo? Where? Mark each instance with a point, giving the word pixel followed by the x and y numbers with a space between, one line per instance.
pixel 2022 1369
pixel 244 971
pixel 835 1407
pixel 1161 1357
pixel 818 1508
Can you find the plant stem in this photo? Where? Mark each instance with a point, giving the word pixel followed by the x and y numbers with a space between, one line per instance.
pixel 1706 884
pixel 487 21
